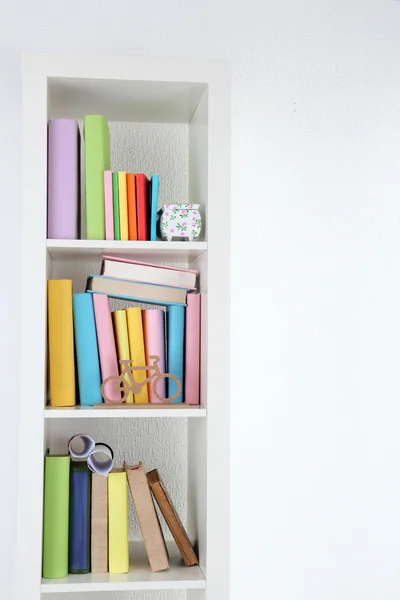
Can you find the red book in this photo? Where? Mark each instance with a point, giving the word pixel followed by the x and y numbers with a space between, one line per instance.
pixel 142 184
pixel 131 193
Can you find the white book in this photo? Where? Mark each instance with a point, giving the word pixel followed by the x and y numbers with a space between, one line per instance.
pixel 147 273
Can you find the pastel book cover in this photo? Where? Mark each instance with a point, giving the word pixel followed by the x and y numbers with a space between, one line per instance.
pixel 192 349
pixel 118 546
pixel 99 524
pixel 123 206
pixel 108 205
pixel 117 232
pixel 154 189
pixel 154 337
pixel 136 348
pixel 122 339
pixel 79 518
pixel 106 344
pixel 175 349
pixel 97 160
pixel 132 217
pixel 87 355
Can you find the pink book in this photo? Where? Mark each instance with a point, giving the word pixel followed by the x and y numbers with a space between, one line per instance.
pixel 154 344
pixel 108 205
pixel 106 343
pixel 192 350
pixel 122 268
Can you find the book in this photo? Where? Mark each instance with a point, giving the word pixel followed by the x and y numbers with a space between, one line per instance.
pixel 154 342
pixel 153 202
pixel 56 516
pixel 134 290
pixel 118 547
pixel 87 355
pixel 122 268
pixel 141 206
pixel 192 350
pixel 108 205
pixel 79 518
pixel 99 524
pixel 106 344
pixel 97 160
pixel 117 232
pixel 136 348
pixel 61 342
pixel 171 517
pixel 123 206
pixel 132 217
pixel 63 179
pixel 175 348
pixel 147 517
pixel 122 339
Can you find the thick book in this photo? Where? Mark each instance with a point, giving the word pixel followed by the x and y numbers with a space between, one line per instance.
pixel 142 184
pixel 118 546
pixel 56 516
pixel 134 290
pixel 154 342
pixel 147 517
pixel 63 179
pixel 106 344
pixel 87 355
pixel 108 205
pixel 123 206
pixel 122 338
pixel 175 349
pixel 136 349
pixel 171 517
pixel 153 202
pixel 192 350
pixel 117 231
pixel 132 216
pixel 99 524
pixel 122 268
pixel 79 518
pixel 97 160
pixel 61 342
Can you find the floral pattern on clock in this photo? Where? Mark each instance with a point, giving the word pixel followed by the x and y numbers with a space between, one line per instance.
pixel 181 221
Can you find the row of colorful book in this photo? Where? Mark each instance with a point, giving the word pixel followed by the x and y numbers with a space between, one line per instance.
pixel 119 206
pixel 85 524
pixel 84 335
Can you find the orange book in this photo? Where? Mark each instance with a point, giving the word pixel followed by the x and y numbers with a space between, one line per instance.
pixel 131 190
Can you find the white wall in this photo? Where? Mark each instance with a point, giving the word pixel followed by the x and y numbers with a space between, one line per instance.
pixel 316 230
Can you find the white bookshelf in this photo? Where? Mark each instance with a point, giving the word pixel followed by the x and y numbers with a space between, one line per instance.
pixel 195 93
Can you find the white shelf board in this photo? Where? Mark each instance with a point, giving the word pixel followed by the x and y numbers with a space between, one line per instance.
pixel 140 577
pixel 160 251
pixel 138 411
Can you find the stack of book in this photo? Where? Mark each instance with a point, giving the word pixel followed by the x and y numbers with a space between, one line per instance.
pixel 83 331
pixel 85 525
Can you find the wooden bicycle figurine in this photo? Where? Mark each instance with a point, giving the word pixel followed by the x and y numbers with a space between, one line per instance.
pixel 126 383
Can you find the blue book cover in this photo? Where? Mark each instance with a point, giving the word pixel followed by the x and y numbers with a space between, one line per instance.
pixel 175 348
pixel 79 518
pixel 87 354
pixel 154 187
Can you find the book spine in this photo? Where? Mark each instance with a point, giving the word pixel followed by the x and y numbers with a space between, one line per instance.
pixel 192 350
pixel 121 336
pixel 99 524
pixel 108 205
pixel 106 343
pixel 118 547
pixel 63 179
pixel 141 206
pixel 61 342
pixel 136 349
pixel 55 516
pixel 123 206
pixel 175 347
pixel 154 338
pixel 117 232
pixel 79 519
pixel 131 192
pixel 87 356
pixel 97 160
pixel 155 184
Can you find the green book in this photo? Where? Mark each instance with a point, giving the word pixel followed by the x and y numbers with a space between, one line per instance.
pixel 117 230
pixel 97 160
pixel 56 516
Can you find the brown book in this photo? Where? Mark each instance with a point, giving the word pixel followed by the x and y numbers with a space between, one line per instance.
pixel 174 523
pixel 147 517
pixel 99 538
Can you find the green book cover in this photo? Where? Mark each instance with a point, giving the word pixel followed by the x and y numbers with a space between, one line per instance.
pixel 117 230
pixel 97 160
pixel 56 516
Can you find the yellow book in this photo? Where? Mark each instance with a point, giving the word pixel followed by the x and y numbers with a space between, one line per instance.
pixel 136 347
pixel 61 342
pixel 118 546
pixel 121 336
pixel 123 206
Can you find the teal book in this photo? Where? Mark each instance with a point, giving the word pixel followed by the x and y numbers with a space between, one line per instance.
pixel 117 230
pixel 154 187
pixel 175 348
pixel 86 350
pixel 97 160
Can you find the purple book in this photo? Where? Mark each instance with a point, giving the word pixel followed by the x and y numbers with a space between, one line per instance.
pixel 63 179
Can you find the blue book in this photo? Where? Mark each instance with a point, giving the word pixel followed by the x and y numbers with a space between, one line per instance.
pixel 154 187
pixel 87 354
pixel 79 518
pixel 175 348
